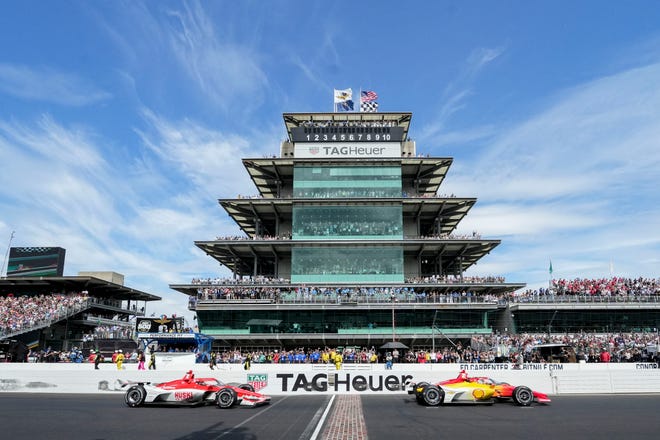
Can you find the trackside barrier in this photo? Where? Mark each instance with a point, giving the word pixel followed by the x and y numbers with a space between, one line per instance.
pixel 301 379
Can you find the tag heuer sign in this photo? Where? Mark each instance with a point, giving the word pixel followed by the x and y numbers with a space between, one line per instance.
pixel 258 381
pixel 330 150
pixel 144 325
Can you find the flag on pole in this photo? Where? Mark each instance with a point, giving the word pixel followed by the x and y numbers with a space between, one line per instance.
pixel 369 107
pixel 343 100
pixel 368 102
pixel 368 95
pixel 550 269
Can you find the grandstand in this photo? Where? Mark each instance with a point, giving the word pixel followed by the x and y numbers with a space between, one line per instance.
pixel 59 313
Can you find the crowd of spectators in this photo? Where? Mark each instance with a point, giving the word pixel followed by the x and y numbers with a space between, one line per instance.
pixel 259 280
pixel 27 311
pixel 254 237
pixel 338 294
pixel 453 279
pixel 333 123
pixel 620 347
pixel 607 286
pixel 327 228
pixel 262 288
pixel 615 288
pixel 332 193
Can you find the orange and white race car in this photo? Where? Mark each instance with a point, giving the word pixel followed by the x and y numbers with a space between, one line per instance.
pixel 474 390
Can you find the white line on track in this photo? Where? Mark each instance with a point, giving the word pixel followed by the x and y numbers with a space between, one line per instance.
pixel 325 414
pixel 252 417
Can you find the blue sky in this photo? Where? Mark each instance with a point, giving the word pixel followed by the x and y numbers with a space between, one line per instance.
pixel 122 123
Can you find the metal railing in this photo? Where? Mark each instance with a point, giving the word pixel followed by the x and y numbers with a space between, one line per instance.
pixel 412 298
pixel 64 313
pixel 585 299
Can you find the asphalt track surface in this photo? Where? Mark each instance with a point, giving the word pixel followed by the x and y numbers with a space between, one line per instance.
pixel 68 416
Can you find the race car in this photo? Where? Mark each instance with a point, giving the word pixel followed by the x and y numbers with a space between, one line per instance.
pixel 192 391
pixel 520 395
pixel 475 390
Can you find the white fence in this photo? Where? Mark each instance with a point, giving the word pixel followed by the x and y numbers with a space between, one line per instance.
pixel 282 379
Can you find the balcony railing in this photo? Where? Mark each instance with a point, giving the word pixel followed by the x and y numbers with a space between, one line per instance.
pixel 47 321
pixel 585 299
pixel 412 298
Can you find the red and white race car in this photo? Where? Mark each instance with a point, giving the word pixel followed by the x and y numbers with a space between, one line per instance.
pixel 192 391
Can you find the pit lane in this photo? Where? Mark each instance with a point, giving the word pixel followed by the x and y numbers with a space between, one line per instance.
pixel 298 417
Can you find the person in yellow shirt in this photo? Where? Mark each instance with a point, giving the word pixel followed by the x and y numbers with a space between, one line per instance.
pixel 338 359
pixel 120 360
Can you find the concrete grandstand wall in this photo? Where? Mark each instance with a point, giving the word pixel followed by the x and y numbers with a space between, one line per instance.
pixel 283 379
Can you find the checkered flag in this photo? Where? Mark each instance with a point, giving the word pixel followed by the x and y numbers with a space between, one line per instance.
pixel 369 107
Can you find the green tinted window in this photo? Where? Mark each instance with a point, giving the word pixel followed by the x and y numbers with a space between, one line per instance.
pixel 331 264
pixel 335 320
pixel 347 222
pixel 345 182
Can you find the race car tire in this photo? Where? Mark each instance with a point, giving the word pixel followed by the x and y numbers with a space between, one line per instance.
pixel 433 395
pixel 135 396
pixel 522 396
pixel 421 385
pixel 226 398
pixel 419 395
pixel 246 386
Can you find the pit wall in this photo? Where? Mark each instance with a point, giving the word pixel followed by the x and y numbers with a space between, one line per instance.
pixel 305 379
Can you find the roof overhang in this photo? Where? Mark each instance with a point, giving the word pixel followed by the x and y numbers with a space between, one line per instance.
pixel 95 286
pixel 400 119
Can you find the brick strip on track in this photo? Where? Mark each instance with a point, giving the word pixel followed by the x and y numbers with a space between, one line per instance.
pixel 347 420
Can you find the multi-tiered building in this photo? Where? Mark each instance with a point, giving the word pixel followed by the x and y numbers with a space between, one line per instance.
pixel 348 242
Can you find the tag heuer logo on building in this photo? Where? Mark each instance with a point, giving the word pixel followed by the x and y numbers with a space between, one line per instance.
pixel 258 381
pixel 314 150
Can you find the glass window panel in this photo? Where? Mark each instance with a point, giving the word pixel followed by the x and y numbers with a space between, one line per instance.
pixel 346 182
pixel 333 321
pixel 340 264
pixel 347 222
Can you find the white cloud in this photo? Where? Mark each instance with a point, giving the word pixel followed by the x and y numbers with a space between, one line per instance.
pixel 457 93
pixel 225 71
pixel 576 182
pixel 63 188
pixel 207 158
pixel 50 85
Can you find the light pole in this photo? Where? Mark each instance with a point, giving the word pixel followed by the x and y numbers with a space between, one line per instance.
pixel 4 263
